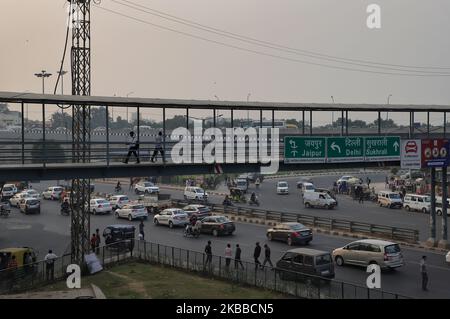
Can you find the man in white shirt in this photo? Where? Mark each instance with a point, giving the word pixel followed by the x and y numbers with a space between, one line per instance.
pixel 50 265
pixel 158 148
pixel 133 146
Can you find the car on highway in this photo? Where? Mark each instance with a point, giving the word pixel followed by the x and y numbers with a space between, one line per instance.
pixel 99 129
pixel 13 186
pixel 217 225
pixel 303 180
pixel 119 236
pixel 30 205
pixel 345 178
pixel 118 201
pixel 146 188
pixel 52 192
pixel 421 203
pixel 364 252
pixel 195 193
pixel 282 188
pixel 242 184
pixel 171 217
pixel 32 193
pixel 100 206
pixel 132 211
pixel 296 263
pixel 15 200
pixel 316 199
pixel 439 209
pixel 7 192
pixel 308 188
pixel 447 258
pixel 390 199
pixel 200 211
pixel 292 233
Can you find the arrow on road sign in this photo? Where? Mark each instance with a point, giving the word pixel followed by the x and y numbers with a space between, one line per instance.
pixel 396 146
pixel 335 146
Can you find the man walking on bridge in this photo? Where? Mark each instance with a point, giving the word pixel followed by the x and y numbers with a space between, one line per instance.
pixel 158 148
pixel 133 146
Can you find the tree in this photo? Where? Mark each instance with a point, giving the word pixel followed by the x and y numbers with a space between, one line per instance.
pixel 60 119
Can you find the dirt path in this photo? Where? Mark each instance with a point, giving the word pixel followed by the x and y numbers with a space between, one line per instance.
pixel 132 284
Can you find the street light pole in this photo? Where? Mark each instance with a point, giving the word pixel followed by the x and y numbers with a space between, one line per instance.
pixel 61 74
pixel 43 75
pixel 332 113
pixel 128 94
pixel 248 116
pixel 388 100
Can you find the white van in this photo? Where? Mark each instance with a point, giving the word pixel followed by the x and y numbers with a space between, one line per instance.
pixel 195 193
pixel 317 199
pixel 421 203
pixel 390 199
pixel 307 188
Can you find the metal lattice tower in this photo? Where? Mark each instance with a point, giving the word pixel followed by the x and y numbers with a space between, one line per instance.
pixel 81 85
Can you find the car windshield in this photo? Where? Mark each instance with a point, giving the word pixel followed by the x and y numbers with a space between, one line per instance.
pixel 427 199
pixel 203 209
pixel 309 187
pixel 199 190
pixel 32 192
pixel 33 202
pixel 323 260
pixel 102 201
pixel 138 207
pixel 149 184
pixel 297 227
pixel 392 249
pixel 7 189
pixel 222 220
pixel 241 183
pixel 123 198
pixel 282 184
pixel 178 212
pixel 394 196
pixel 57 189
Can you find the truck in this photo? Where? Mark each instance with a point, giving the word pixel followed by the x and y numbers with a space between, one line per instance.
pixel 155 202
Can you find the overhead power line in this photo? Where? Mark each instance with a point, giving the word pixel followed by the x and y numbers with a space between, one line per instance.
pixel 266 44
pixel 418 74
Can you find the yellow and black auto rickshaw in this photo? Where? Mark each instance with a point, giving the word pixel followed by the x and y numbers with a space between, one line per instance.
pixel 7 253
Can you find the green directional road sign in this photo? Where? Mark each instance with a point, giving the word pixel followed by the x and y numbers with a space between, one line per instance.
pixel 345 149
pixel 298 149
pixel 382 148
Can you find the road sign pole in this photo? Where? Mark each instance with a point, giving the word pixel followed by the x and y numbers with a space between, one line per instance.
pixel 432 240
pixel 443 243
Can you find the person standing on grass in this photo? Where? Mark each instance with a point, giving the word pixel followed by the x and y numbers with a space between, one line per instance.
pixel 267 256
pixel 228 256
pixel 256 254
pixel 208 252
pixel 50 265
pixel 237 257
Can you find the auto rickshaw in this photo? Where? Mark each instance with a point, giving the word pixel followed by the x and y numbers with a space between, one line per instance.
pixel 7 253
pixel 237 195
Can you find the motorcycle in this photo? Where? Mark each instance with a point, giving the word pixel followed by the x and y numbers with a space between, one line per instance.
pixel 253 202
pixel 191 231
pixel 118 189
pixel 65 211
pixel 227 203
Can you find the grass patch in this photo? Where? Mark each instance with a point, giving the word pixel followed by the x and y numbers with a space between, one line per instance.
pixel 138 280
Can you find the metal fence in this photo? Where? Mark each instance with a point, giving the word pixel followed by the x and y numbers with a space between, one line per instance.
pixel 395 233
pixel 244 273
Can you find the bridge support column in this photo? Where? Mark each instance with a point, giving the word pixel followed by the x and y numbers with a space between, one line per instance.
pixel 443 243
pixel 432 239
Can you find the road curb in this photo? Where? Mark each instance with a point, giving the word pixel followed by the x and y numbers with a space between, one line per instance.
pixel 323 231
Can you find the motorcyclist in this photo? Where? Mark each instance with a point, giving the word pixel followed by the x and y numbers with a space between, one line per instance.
pixel 192 222
pixel 65 206
pixel 253 198
pixel 257 182
pixel 118 186
pixel 227 201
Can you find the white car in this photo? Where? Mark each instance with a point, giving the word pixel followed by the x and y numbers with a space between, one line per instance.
pixel 195 193
pixel 447 258
pixel 52 192
pixel 32 193
pixel 146 188
pixel 171 217
pixel 100 206
pixel 282 188
pixel 15 200
pixel 345 178
pixel 7 191
pixel 13 186
pixel 132 211
pixel 118 201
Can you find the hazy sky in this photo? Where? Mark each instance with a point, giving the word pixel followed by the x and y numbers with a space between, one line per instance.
pixel 130 56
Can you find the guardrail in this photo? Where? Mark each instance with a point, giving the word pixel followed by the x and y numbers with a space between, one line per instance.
pixel 295 284
pixel 394 233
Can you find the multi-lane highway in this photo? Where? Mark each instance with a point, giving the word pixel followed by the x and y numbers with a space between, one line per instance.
pixel 52 230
